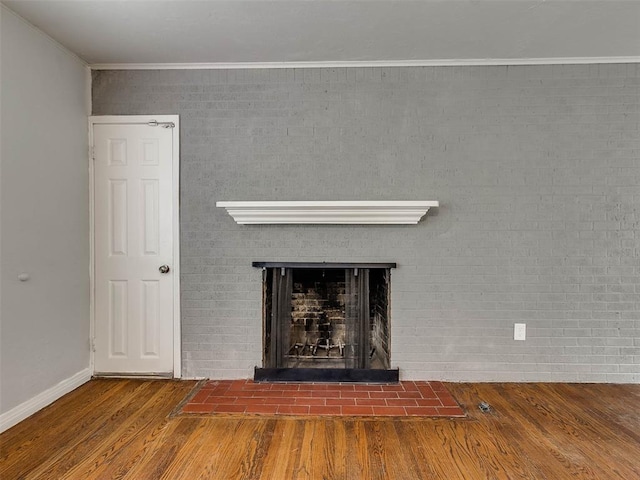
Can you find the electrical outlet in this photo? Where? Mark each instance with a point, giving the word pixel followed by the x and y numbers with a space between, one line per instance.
pixel 519 331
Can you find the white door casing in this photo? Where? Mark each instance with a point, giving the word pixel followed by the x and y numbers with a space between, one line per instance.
pixel 135 232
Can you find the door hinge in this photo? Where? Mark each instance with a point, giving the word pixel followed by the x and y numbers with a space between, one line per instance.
pixel 155 123
pixel 92 153
pixel 92 344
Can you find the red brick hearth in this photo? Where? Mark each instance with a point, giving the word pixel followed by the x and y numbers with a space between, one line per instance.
pixel 407 398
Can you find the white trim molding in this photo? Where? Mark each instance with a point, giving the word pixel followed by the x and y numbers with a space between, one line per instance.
pixel 381 212
pixel 469 62
pixel 33 405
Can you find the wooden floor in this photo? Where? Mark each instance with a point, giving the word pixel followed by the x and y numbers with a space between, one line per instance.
pixel 122 429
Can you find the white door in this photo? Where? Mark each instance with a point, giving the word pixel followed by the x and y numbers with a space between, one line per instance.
pixel 133 249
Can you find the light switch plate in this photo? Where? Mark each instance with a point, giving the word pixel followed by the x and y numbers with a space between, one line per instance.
pixel 519 331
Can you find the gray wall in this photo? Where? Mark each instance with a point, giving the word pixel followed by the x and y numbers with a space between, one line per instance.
pixel 44 222
pixel 537 169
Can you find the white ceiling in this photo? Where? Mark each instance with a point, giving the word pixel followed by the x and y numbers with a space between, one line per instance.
pixel 238 31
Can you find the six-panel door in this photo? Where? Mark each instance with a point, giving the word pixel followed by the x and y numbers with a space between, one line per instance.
pixel 132 247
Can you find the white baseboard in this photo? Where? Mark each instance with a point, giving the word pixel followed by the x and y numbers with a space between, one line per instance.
pixel 31 406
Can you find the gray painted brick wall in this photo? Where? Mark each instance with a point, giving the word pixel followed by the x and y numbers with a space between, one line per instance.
pixel 537 170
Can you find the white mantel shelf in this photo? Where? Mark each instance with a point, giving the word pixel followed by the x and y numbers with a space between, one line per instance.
pixel 328 212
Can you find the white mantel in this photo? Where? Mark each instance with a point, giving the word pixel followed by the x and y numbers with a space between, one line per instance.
pixel 376 212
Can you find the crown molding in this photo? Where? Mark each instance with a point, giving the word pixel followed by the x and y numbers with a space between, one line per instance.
pixel 367 64
pixel 381 212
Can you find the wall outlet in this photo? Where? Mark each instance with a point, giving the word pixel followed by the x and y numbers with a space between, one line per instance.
pixel 519 331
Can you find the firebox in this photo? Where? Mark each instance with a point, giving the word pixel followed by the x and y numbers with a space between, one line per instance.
pixel 326 322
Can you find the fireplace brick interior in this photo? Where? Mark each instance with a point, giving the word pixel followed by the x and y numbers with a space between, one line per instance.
pixel 321 321
pixel 318 324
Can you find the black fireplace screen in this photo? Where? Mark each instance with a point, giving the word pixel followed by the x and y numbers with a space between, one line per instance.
pixel 326 317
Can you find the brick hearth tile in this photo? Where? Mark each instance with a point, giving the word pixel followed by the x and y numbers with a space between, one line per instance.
pixel 296 393
pixel 235 383
pixel 399 411
pixel 309 401
pixel 383 394
pixel 409 395
pixel 342 388
pixel 427 392
pixel 438 386
pixel 402 402
pixel 278 401
pixel 407 398
pixel 326 394
pixel 294 409
pixel 380 402
pixel 286 387
pixel 368 388
pixel 219 391
pixel 272 394
pixel 200 397
pixel 326 410
pixel 393 387
pixel 410 386
pixel 353 394
pixel 231 408
pixel 223 399
pixel 252 401
pixel 266 409
pixel 340 401
pixel 356 410
pixel 450 411
pixel 423 411
pixel 210 384
pixel 448 401
pixel 314 386
pixel 221 386
pixel 253 387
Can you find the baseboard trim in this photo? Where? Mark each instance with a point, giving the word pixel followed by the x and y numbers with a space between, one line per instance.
pixel 31 406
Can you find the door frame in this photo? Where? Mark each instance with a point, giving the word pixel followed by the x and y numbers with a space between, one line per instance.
pixel 175 182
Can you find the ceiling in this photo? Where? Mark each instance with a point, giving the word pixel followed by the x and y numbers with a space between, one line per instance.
pixel 334 31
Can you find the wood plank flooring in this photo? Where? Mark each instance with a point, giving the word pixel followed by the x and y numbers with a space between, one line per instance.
pixel 122 429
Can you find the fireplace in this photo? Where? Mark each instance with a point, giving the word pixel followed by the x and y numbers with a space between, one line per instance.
pixel 326 322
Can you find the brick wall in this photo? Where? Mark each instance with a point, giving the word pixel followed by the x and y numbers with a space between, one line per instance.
pixel 537 170
pixel 316 301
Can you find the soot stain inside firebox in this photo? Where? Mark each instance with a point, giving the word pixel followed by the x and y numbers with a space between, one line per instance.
pixel 317 318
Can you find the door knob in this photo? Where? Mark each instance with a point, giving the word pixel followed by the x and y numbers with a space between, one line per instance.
pixel 164 269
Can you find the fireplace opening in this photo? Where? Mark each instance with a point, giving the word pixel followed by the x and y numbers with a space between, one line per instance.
pixel 326 322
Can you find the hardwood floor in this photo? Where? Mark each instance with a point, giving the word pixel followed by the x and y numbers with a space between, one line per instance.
pixel 122 429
